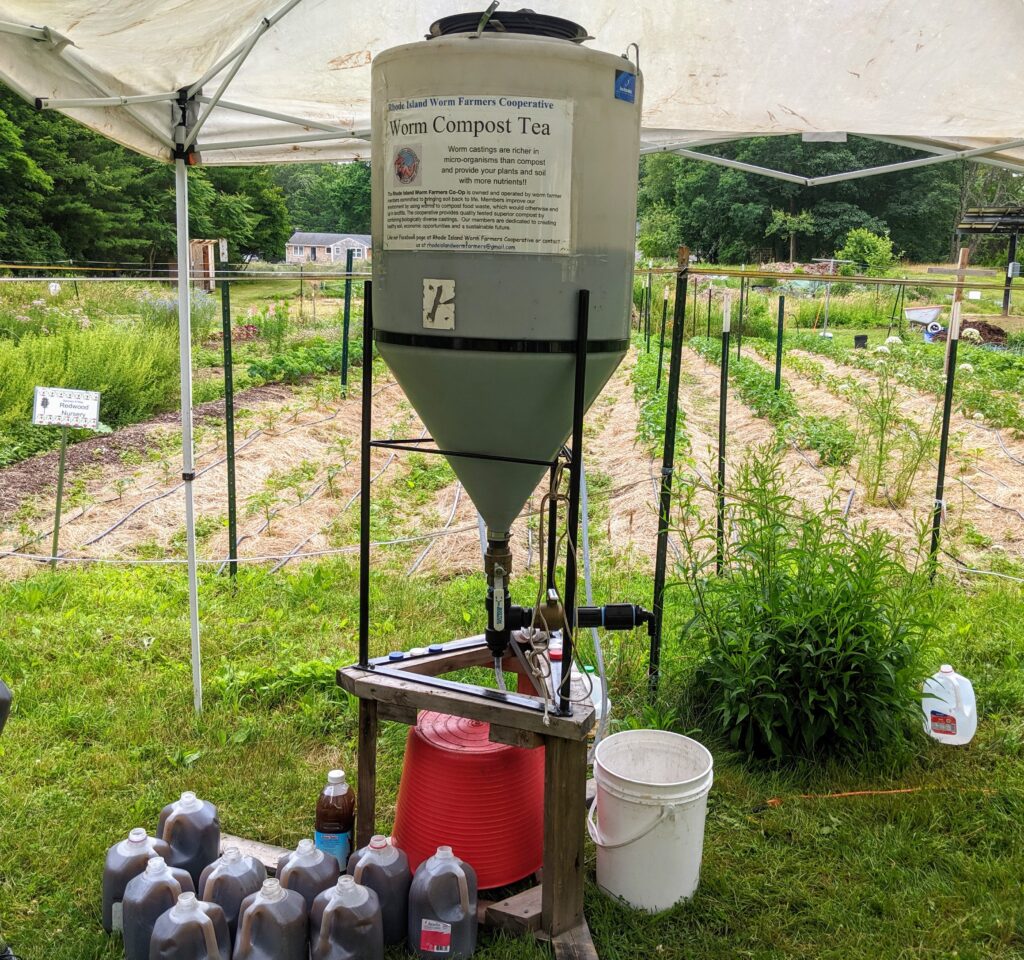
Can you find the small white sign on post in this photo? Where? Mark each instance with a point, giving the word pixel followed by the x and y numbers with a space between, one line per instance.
pixel 57 407
pixel 223 247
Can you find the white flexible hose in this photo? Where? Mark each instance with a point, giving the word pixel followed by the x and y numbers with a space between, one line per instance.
pixel 589 593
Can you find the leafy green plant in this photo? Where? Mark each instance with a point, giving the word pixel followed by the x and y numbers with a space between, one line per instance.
pixel 816 629
pixel 262 503
pixel 870 249
pixel 272 323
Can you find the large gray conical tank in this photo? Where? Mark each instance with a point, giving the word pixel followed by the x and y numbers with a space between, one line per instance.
pixel 504 182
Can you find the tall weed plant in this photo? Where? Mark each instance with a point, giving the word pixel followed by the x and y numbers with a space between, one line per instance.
pixel 816 630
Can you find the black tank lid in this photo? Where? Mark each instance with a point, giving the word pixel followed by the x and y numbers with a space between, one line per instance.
pixel 518 21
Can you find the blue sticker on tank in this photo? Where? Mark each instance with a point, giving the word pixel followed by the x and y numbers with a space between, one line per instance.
pixel 625 86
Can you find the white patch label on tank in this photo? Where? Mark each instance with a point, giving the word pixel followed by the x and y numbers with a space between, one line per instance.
pixel 439 304
pixel 482 173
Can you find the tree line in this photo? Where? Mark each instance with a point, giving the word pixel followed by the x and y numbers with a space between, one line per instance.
pixel 732 216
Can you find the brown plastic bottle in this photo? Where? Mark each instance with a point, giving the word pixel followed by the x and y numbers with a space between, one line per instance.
pixel 307 871
pixel 229 880
pixel 345 923
pixel 442 908
pixel 384 868
pixel 335 818
pixel 191 930
pixel 192 828
pixel 124 862
pixel 149 895
pixel 273 925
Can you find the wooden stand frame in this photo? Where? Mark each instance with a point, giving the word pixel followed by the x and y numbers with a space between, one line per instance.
pixel 552 910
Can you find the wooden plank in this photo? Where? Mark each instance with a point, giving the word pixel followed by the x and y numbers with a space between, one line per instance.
pixel 514 737
pixel 366 793
pixel 266 853
pixel 575 944
pixel 421 696
pixel 391 711
pixel 973 272
pixel 517 914
pixel 565 810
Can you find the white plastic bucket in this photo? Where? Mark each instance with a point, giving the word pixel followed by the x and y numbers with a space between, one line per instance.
pixel 652 797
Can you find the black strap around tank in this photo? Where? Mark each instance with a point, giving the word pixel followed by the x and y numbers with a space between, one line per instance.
pixel 494 344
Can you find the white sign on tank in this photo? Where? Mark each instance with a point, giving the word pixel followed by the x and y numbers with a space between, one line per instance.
pixel 483 173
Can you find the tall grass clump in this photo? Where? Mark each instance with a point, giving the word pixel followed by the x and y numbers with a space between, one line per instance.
pixel 163 312
pixel 816 630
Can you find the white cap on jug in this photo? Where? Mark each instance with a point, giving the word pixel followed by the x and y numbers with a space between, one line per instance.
pixel 946 668
pixel 272 890
pixel 336 776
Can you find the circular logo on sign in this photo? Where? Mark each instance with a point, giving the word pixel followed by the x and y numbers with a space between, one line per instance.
pixel 407 165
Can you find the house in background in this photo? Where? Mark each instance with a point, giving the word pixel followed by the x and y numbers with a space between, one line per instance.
pixel 326 247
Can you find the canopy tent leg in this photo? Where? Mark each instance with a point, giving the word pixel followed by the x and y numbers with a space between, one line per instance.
pixel 187 465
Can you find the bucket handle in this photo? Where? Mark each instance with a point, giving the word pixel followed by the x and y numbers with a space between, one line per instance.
pixel 595 831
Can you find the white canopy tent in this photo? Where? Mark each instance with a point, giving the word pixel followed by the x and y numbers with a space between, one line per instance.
pixel 271 81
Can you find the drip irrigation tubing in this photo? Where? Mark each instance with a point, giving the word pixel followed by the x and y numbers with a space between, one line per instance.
pixel 429 546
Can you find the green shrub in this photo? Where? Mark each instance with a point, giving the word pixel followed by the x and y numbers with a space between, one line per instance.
pixel 816 632
pixel 313 357
pixel 864 247
pixel 163 312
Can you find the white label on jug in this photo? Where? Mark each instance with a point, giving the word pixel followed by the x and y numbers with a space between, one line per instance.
pixel 117 916
pixel 485 173
pixel 435 936
pixel 943 723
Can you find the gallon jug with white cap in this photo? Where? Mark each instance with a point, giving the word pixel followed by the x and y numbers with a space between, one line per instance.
pixel 124 862
pixel 384 868
pixel 442 907
pixel 345 923
pixel 192 828
pixel 308 871
pixel 229 880
pixel 273 925
pixel 146 898
pixel 191 930
pixel 950 710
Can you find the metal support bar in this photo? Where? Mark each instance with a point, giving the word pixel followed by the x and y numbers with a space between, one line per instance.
pixel 579 406
pixel 778 345
pixel 60 496
pixel 723 395
pixel 668 459
pixel 364 481
pixel 1011 256
pixel 739 324
pixel 229 426
pixel 552 529
pixel 661 339
pixel 349 255
pixel 406 445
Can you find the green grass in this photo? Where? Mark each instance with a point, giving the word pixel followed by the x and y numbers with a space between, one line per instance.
pixel 103 735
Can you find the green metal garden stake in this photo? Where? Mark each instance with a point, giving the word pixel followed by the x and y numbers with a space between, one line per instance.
pixel 723 395
pixel 739 323
pixel 661 347
pixel 778 345
pixel 349 254
pixel 229 425
pixel 647 313
pixel 60 495
pixel 709 310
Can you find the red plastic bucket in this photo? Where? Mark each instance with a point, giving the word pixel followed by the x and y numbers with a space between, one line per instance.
pixel 485 800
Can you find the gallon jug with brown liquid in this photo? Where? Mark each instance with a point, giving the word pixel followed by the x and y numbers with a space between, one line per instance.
pixel 229 880
pixel 6 698
pixel 307 871
pixel 273 925
pixel 335 818
pixel 191 930
pixel 191 827
pixel 384 868
pixel 149 895
pixel 442 908
pixel 345 923
pixel 124 862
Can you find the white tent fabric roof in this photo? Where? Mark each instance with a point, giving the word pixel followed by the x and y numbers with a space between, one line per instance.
pixel 940 75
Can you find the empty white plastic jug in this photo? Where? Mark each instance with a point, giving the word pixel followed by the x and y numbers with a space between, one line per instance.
pixel 950 710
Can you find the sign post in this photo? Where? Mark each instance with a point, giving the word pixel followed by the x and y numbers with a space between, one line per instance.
pixel 56 407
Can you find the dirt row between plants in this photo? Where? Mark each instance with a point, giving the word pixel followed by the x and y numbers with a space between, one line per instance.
pixel 978 467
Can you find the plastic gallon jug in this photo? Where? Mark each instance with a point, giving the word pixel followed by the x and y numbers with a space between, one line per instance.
pixel 335 817
pixel 442 907
pixel 597 696
pixel 191 930
pixel 345 923
pixel 950 711
pixel 384 868
pixel 124 862
pixel 147 897
pixel 273 925
pixel 229 880
pixel 307 871
pixel 191 827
